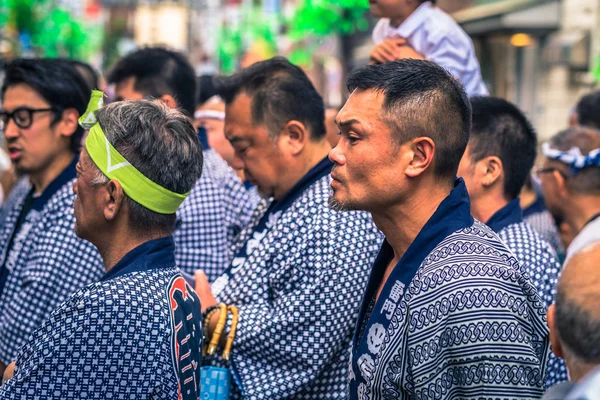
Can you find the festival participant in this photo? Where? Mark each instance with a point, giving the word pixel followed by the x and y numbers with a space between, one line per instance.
pixel 575 326
pixel 499 156
pixel 448 311
pixel 570 179
pixel 137 332
pixel 419 29
pixel 42 262
pixel 299 267
pixel 219 206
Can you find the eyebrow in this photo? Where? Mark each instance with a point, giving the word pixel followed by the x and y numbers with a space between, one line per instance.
pixel 343 124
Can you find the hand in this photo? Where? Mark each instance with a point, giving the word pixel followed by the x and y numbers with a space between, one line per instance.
pixel 393 49
pixel 9 371
pixel 386 51
pixel 203 290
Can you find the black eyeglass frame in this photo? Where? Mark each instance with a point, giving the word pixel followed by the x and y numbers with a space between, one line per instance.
pixel 6 116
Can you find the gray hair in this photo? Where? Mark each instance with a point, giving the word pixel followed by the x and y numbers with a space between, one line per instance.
pixel 161 143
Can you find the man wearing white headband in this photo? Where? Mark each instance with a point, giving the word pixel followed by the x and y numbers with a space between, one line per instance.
pixel 137 332
pixel 570 178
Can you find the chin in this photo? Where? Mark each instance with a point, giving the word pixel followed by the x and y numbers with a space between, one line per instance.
pixel 340 204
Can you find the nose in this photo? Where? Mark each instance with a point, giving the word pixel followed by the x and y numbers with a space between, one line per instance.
pixel 336 156
pixel 11 130
pixel 237 163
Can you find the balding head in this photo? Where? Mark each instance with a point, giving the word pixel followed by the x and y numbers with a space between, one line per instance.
pixel 574 319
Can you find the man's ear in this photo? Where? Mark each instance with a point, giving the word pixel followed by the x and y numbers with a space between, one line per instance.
pixel 169 101
pixel 490 169
pixel 423 151
pixel 114 200
pixel 554 339
pixel 561 183
pixel 294 137
pixel 68 123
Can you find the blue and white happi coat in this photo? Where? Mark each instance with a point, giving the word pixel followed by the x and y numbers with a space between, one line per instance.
pixel 457 318
pixel 216 210
pixel 299 271
pixel 136 334
pixel 47 263
pixel 538 259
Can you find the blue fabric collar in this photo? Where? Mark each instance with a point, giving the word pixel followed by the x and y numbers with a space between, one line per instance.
pixel 62 179
pixel 507 215
pixel 317 172
pixel 203 137
pixel 157 253
pixel 453 214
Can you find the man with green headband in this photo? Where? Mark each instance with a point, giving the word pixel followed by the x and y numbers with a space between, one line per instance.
pixel 137 333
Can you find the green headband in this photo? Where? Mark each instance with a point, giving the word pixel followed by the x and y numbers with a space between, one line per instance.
pixel 115 166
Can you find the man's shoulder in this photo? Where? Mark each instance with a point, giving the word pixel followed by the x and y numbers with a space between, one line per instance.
pixel 525 241
pixel 474 251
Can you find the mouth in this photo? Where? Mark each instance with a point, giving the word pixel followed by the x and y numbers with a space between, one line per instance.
pixel 14 153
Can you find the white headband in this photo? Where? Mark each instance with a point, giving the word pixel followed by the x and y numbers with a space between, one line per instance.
pixel 210 114
pixel 573 158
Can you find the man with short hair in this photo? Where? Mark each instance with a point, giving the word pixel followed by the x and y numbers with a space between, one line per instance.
pixel 587 111
pixel 499 156
pixel 137 332
pixel 299 267
pixel 448 312
pixel 570 179
pixel 42 262
pixel 219 206
pixel 574 323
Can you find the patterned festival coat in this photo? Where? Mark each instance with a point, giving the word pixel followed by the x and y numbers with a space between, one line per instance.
pixel 458 318
pixel 297 278
pixel 136 334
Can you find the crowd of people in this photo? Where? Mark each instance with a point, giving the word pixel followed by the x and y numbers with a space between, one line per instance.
pixel 420 242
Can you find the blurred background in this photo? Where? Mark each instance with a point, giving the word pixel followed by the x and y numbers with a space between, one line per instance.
pixel 540 54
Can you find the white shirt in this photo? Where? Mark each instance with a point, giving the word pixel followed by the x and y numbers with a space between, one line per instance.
pixel 436 36
pixel 588 235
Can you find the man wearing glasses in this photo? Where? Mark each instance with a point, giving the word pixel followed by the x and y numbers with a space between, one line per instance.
pixel 570 179
pixel 42 262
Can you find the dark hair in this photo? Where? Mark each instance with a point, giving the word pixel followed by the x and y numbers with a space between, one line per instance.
pixel 206 88
pixel 280 92
pixel 500 129
pixel 421 99
pixel 588 110
pixel 57 82
pixel 587 180
pixel 577 328
pixel 159 71
pixel 89 73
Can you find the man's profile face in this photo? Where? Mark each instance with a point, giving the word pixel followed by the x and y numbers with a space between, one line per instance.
pixel 467 169
pixel 369 164
pixel 551 189
pixel 255 152
pixel 33 147
pixel 87 207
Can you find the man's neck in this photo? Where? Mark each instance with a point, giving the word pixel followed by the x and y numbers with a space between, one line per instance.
pixel 41 180
pixel 486 206
pixel 313 154
pixel 402 223
pixel 581 210
pixel 112 251
pixel 396 21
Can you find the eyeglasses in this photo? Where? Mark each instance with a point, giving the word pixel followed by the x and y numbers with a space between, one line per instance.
pixel 539 171
pixel 22 116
